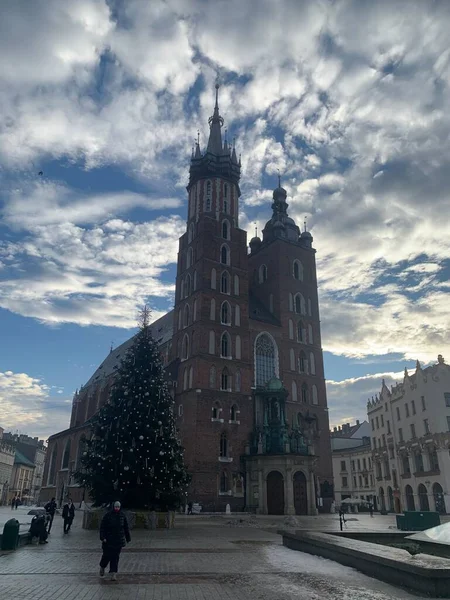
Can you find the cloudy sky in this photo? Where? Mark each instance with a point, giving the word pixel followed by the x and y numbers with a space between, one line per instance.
pixel 349 100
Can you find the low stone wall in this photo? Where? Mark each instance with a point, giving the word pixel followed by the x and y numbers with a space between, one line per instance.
pixel 428 575
pixel 92 518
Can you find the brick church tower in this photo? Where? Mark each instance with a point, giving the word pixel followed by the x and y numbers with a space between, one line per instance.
pixel 242 351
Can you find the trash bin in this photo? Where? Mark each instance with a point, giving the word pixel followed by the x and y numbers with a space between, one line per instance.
pixel 10 537
pixel 401 522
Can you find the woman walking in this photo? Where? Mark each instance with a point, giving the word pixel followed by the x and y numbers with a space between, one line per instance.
pixel 114 534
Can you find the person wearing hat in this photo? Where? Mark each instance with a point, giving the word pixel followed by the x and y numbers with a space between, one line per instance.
pixel 114 534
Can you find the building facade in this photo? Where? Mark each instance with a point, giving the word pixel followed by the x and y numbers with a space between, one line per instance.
pixel 242 349
pixel 22 479
pixel 7 455
pixel 34 450
pixel 410 429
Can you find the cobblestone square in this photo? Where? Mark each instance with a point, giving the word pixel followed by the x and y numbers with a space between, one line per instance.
pixel 201 559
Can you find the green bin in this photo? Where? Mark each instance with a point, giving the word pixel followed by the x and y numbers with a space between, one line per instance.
pixel 401 522
pixel 418 520
pixel 10 537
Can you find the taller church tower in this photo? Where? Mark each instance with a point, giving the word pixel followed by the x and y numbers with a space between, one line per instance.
pixel 211 327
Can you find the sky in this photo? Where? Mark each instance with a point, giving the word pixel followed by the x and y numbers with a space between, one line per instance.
pixel 100 102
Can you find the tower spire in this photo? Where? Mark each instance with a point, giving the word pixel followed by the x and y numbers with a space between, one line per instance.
pixel 215 125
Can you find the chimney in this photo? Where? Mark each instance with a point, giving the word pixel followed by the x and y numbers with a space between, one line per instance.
pixel 335 430
pixel 339 428
pixel 357 421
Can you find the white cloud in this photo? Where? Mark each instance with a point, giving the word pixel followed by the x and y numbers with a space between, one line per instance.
pixel 26 405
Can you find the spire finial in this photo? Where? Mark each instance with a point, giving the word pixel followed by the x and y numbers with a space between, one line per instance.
pixel 198 137
pixel 304 223
pixel 217 86
pixel 256 230
pixel 279 178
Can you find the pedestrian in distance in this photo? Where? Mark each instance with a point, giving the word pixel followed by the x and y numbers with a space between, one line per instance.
pixel 50 509
pixel 17 502
pixel 13 503
pixel 68 515
pixel 189 508
pixel 371 510
pixel 114 534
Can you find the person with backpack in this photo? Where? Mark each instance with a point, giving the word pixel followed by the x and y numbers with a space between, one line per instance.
pixel 114 534
pixel 50 509
pixel 68 515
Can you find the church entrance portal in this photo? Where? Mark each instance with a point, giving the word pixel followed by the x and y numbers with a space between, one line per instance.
pixel 300 494
pixel 275 493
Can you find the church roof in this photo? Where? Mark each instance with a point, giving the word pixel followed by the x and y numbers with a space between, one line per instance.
pixel 258 312
pixel 162 331
pixel 20 459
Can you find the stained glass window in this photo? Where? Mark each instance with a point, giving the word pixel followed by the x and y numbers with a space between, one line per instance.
pixel 265 360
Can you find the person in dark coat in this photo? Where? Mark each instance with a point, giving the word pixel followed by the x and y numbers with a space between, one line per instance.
pixel 68 515
pixel 38 530
pixel 50 509
pixel 17 502
pixel 114 534
pixel 13 503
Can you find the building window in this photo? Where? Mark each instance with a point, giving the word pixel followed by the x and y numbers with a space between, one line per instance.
pixel 426 426
pixel 191 376
pixel 180 410
pixel 185 348
pixel 315 397
pixel 310 333
pixel 447 399
pixel 213 279
pixel 225 230
pixel 212 310
pixel 345 482
pixel 262 274
pixel 238 346
pixel 405 465
pixel 359 464
pixel 233 412
pixel 189 258
pixel 215 411
pixel 413 406
pixel 302 363
pixel 418 459
pixel 407 410
pixel 223 445
pixel 194 312
pixel 378 422
pixel 225 380
pixel 225 283
pixel 292 359
pixel 186 315
pixel 354 482
pixel 294 391
pixel 298 270
pixel 265 359
pixel 223 483
pixel 388 427
pixel 299 304
pixel 212 342
pixel 187 286
pixel 382 421
pixel 364 464
pixel 225 190
pixel 225 255
pixel 434 461
pixel 291 329
pixel 304 393
pixel 312 364
pixel 212 377
pixel 400 434
pixel 300 332
pixel 448 423
pixel 238 381
pixel 391 451
pixel 343 465
pixel 413 430
pixel 208 196
pixel 225 313
pixel 373 424
pixel 236 285
pixel 185 379
pixel 423 402
pixel 51 479
pixel 225 345
pixel 398 413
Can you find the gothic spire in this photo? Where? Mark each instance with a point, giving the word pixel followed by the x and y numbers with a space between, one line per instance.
pixel 215 125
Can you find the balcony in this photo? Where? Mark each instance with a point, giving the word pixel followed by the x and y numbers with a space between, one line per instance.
pixel 427 473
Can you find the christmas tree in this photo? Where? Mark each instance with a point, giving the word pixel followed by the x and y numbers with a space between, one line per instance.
pixel 134 454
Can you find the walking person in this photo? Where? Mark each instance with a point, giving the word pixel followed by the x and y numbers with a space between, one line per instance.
pixel 50 509
pixel 68 515
pixel 13 503
pixel 17 502
pixel 371 510
pixel 114 534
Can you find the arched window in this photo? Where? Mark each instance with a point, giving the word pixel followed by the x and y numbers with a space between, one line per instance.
pixel 195 280
pixel 291 302
pixel 208 196
pixel 299 304
pixel 216 411
pixel 237 315
pixel 190 233
pixel 298 270
pixel 305 393
pixel 212 311
pixel 225 190
pixel 310 334
pixel 225 345
pixel 225 255
pixel 191 376
pixel 294 392
pixel 212 342
pixel 187 286
pixel 236 285
pixel 292 359
pixel 309 307
pixel 223 483
pixel 312 364
pixel 315 397
pixel 291 329
pixel 225 313
pixel 212 377
pixel 185 347
pixel 238 381
pixel 194 312
pixel 189 259
pixel 186 315
pixel 262 274
pixel 302 363
pixel 301 332
pixel 225 205
pixel 66 456
pixel 238 346
pixel 51 478
pixel 223 445
pixel 185 379
pixel 234 413
pixel 266 359
pixel 213 279
pixel 180 319
pixel 225 283
pixel 225 230
pixel 225 382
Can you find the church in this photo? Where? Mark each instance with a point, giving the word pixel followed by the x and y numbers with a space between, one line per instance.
pixel 243 357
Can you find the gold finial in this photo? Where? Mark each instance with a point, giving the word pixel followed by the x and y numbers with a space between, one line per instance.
pixel 256 230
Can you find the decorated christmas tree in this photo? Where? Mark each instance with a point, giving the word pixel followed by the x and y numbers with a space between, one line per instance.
pixel 134 454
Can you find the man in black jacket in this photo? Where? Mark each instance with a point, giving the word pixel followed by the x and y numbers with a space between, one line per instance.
pixel 50 509
pixel 68 515
pixel 114 534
